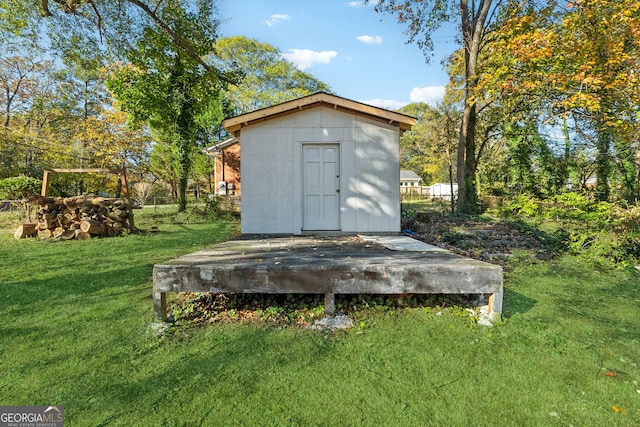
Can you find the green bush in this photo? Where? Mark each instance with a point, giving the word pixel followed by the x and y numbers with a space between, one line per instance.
pixel 602 234
pixel 19 187
pixel 524 205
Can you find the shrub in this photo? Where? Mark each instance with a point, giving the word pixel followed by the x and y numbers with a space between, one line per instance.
pixel 603 234
pixel 524 205
pixel 19 187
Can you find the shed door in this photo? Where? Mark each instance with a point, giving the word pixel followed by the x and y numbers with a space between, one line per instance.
pixel 321 186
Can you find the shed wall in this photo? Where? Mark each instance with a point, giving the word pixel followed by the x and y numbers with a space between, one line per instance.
pixel 271 170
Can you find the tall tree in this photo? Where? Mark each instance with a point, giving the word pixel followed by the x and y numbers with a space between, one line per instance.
pixel 166 87
pixel 20 16
pixel 583 59
pixel 19 76
pixel 422 18
pixel 25 82
pixel 429 149
pixel 114 22
pixel 267 78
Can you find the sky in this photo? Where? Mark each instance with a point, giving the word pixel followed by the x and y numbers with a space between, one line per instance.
pixel 362 55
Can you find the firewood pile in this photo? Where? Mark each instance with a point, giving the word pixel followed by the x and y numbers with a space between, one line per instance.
pixel 80 217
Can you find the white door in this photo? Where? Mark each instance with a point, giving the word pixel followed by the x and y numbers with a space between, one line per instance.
pixel 321 186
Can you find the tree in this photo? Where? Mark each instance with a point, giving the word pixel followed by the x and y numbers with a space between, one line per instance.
pixel 417 149
pixel 580 61
pixel 422 18
pixel 267 78
pixel 602 80
pixel 165 87
pixel 105 16
pixel 25 82
pixel 530 165
pixel 162 164
pixel 19 76
pixel 429 148
pixel 111 142
pixel 57 119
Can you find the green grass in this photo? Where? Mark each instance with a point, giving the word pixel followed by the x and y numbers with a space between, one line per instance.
pixel 75 323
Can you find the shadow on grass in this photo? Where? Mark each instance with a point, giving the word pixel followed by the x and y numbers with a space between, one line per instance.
pixel 516 303
pixel 597 307
pixel 244 354
pixel 52 291
pixel 607 302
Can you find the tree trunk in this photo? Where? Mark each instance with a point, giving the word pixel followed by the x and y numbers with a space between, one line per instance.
pixel 450 163
pixel 603 165
pixel 564 165
pixel 92 227
pixel 467 191
pixel 44 234
pixel 182 194
pixel 68 235
pixel 473 29
pixel 26 230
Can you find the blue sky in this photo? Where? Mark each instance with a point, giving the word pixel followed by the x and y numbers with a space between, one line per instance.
pixel 361 54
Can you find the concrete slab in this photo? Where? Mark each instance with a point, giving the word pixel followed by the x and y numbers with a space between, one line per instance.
pixel 402 243
pixel 325 265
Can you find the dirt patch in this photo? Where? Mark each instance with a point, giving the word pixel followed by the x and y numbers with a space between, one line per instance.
pixel 494 241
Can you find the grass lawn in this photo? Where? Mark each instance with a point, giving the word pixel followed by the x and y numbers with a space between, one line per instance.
pixel 75 331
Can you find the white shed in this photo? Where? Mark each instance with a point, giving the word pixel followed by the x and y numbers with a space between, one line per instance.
pixel 320 163
pixel 443 191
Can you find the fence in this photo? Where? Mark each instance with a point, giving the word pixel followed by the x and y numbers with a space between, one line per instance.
pixel 415 193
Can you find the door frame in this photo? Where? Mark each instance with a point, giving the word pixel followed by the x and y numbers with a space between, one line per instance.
pixel 302 175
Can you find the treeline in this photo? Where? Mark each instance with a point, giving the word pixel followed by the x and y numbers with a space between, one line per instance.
pixel 543 98
pixel 128 84
pixel 546 96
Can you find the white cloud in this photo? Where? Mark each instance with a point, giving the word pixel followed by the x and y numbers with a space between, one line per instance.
pixel 276 19
pixel 370 39
pixel 355 4
pixel 429 94
pixel 388 104
pixel 305 58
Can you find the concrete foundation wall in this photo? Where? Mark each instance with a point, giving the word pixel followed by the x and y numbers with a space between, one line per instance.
pixel 271 171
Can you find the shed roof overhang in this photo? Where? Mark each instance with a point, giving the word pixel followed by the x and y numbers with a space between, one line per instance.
pixel 402 121
pixel 219 146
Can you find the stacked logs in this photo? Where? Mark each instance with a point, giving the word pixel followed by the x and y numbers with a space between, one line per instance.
pixel 79 217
